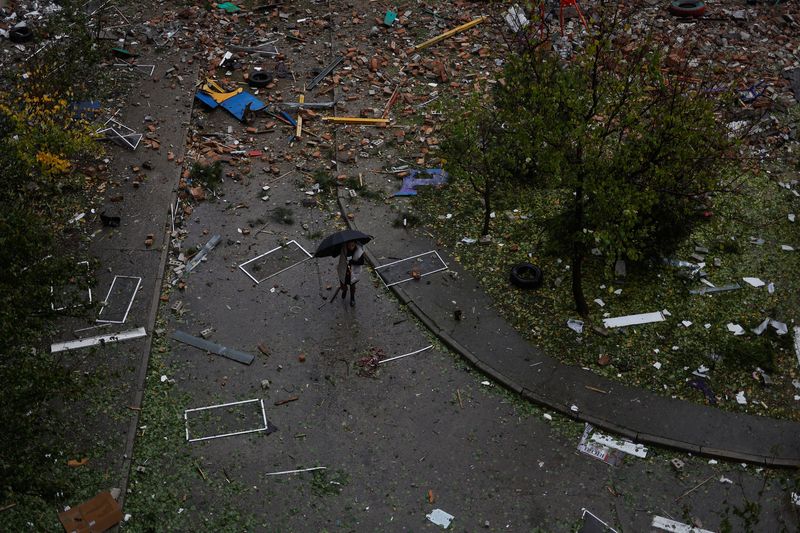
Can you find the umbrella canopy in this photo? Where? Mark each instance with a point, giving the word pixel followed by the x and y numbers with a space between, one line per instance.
pixel 331 246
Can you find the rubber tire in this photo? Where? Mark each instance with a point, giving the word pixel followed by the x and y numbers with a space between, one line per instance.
pixel 20 35
pixel 259 79
pixel 687 8
pixel 526 276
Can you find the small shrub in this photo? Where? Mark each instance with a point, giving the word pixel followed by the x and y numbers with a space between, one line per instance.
pixel 749 353
pixel 207 175
pixel 283 215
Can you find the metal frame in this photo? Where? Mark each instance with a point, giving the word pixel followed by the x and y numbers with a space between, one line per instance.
pixel 130 304
pixel 406 259
pixel 585 511
pixel 141 68
pixel 263 415
pixel 94 341
pixel 241 267
pixel 121 135
pixel 52 289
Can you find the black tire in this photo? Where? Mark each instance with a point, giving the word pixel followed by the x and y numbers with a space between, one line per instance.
pixel 526 276
pixel 20 35
pixel 687 8
pixel 259 79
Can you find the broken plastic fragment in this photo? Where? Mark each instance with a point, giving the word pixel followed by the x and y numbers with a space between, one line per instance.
pixel 657 365
pixel 440 518
pixel 575 325
pixel 755 282
pixel 740 399
pixel 736 329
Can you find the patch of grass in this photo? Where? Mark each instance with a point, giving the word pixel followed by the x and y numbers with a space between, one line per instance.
pixel 282 215
pixel 758 210
pixel 209 176
pixel 162 497
pixel 328 483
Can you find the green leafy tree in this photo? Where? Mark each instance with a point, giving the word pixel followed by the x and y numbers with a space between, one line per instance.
pixel 631 149
pixel 481 150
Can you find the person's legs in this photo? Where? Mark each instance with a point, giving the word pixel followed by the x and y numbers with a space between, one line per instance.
pixel 352 295
pixel 345 284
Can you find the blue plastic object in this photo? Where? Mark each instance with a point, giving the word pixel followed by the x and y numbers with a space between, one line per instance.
pixel 235 105
pixel 206 99
pixel 438 177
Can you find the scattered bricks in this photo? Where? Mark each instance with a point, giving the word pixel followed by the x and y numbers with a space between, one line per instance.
pixel 301 358
pixel 149 240
pixel 206 333
pixel 177 307
pixel 677 464
pixel 263 348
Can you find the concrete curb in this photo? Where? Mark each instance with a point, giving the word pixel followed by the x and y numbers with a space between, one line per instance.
pixel 554 404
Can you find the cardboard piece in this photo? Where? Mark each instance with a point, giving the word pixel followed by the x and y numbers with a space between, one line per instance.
pixel 93 516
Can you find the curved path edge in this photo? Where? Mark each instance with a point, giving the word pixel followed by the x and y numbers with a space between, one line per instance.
pixel 748 447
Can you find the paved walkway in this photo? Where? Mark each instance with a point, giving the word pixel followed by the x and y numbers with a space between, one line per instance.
pixel 494 347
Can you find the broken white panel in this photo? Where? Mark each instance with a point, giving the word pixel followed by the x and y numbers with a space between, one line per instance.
pixel 740 399
pixel 791 217
pixel 515 18
pixel 755 282
pixel 723 479
pixel 440 518
pixel 196 439
pixel 686 323
pixel 575 325
pixel 665 524
pixel 736 329
pixel 796 498
pixel 600 302
pixel 633 320
pixel 95 341
pixel 787 248
pixel 758 330
pixel 797 343
pixel 780 327
pixel 622 445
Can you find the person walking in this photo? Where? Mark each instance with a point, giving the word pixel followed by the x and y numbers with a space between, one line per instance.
pixel 351 261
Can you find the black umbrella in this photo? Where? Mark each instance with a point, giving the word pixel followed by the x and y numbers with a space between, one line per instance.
pixel 331 246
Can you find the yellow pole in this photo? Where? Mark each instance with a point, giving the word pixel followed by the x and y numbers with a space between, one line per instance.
pixel 450 33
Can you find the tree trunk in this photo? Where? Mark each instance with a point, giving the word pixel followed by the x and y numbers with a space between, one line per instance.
pixel 577 284
pixel 577 255
pixel 487 211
